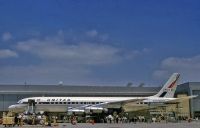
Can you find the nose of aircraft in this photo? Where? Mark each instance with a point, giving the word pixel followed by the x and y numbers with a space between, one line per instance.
pixel 11 107
pixel 17 107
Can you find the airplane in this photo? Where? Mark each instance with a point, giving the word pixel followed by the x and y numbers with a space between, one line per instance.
pixel 95 104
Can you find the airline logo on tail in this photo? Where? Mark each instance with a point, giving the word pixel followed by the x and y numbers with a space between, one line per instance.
pixel 169 88
pixel 174 83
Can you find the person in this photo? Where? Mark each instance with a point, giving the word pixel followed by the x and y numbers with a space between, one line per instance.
pixel 16 120
pixel 110 118
pixel 21 119
pixel 73 120
pixel 117 118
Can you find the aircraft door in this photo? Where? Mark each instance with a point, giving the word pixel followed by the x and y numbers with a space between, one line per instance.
pixel 31 106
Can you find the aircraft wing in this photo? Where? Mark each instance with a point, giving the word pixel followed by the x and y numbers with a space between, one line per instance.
pixel 112 102
pixel 122 102
pixel 138 99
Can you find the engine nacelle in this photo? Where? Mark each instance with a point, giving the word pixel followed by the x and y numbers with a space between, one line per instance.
pixel 76 111
pixel 95 109
pixel 87 110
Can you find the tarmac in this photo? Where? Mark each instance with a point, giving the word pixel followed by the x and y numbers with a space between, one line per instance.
pixel 127 125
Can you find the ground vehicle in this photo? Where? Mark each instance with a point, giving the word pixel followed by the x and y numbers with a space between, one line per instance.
pixel 8 121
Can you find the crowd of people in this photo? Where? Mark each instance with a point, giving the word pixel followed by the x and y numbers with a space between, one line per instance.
pixel 42 119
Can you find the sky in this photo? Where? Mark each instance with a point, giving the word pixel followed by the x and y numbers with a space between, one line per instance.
pixel 99 42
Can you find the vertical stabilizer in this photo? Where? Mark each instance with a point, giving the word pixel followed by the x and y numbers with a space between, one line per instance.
pixel 169 88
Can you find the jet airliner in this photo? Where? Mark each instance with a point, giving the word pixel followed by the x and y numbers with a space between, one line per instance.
pixel 95 104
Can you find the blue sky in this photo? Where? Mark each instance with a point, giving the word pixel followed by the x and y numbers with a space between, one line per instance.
pixel 99 42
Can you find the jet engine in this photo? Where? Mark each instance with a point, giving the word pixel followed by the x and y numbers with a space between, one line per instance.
pixel 95 109
pixel 75 111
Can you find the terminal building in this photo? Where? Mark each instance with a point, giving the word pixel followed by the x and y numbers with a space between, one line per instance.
pixel 191 88
pixel 10 94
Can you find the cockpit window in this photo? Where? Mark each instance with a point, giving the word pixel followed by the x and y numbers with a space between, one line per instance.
pixel 22 102
pixel 19 102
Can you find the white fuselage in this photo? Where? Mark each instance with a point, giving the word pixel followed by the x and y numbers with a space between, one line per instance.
pixel 64 104
pixel 82 104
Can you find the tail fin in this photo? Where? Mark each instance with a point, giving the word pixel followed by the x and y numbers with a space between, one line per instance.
pixel 169 88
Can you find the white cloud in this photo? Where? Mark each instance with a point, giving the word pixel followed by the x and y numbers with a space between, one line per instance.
pixel 43 74
pixel 135 53
pixel 80 53
pixel 92 33
pixel 146 50
pixel 6 53
pixel 60 32
pixel 160 74
pixel 182 63
pixel 6 36
pixel 58 58
pixel 188 67
pixel 132 54
pixel 104 37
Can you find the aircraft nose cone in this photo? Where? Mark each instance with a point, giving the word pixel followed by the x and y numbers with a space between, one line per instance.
pixel 11 107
